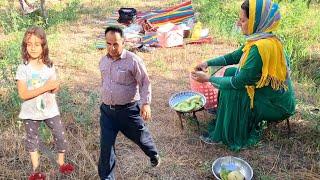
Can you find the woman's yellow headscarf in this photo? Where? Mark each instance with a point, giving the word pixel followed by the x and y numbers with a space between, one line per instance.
pixel 264 17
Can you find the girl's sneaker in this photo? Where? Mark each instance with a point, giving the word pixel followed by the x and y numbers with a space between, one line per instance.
pixel 37 176
pixel 66 168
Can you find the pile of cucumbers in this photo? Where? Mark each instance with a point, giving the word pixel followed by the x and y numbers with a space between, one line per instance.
pixel 192 103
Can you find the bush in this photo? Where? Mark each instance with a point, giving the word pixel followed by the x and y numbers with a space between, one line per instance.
pixel 10 58
pixel 12 20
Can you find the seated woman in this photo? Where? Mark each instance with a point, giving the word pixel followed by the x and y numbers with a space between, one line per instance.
pixel 260 88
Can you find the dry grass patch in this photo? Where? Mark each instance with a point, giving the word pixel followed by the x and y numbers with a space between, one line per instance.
pixel 184 156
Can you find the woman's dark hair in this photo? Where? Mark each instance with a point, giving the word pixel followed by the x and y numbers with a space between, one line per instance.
pixel 114 29
pixel 245 7
pixel 38 32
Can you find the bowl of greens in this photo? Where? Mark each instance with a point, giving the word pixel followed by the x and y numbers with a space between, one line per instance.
pixel 187 101
pixel 231 168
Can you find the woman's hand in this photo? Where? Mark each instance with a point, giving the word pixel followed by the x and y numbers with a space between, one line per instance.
pixel 200 76
pixel 201 67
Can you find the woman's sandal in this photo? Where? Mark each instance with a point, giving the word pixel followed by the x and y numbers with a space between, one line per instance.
pixel 37 176
pixel 66 168
pixel 206 139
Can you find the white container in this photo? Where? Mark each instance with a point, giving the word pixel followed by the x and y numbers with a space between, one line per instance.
pixel 170 35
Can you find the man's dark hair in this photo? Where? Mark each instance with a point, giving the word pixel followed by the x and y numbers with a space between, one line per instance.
pixel 114 29
pixel 245 7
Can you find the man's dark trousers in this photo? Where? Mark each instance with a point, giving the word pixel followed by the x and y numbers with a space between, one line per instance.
pixel 130 123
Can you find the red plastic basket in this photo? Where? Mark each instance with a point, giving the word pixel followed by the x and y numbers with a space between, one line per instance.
pixel 208 90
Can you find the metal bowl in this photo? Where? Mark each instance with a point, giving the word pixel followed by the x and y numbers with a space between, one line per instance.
pixel 231 163
pixel 184 95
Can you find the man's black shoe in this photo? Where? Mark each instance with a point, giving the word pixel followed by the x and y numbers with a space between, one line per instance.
pixel 155 161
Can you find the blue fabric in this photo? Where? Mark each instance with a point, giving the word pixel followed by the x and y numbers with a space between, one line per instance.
pixel 267 14
pixel 129 122
pixel 258 15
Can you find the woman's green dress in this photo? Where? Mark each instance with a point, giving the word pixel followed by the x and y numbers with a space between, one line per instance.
pixel 237 125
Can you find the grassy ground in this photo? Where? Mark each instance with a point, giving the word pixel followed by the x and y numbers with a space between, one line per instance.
pixel 184 156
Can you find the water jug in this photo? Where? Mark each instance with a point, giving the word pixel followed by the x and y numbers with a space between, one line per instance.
pixel 196 32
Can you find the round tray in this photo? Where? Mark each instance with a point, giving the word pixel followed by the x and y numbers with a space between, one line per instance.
pixel 182 96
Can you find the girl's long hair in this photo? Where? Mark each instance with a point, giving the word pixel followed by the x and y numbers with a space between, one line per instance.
pixel 39 32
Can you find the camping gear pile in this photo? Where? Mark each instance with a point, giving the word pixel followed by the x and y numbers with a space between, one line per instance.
pixel 168 27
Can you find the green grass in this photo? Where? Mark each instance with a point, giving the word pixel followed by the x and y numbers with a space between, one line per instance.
pixel 9 108
pixel 265 177
pixel 60 14
pixel 220 16
pixel 12 20
pixel 79 103
pixel 160 65
pixel 9 59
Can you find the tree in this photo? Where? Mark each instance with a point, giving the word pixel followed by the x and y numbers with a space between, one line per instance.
pixel 28 6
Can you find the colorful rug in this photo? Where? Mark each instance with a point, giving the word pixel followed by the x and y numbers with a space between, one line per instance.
pixel 157 17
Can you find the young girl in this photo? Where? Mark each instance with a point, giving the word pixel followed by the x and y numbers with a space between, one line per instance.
pixel 37 85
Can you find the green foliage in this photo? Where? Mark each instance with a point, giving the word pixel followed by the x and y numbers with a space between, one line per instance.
pixel 300 30
pixel 265 177
pixel 74 61
pixel 12 20
pixel 78 105
pixel 220 16
pixel 9 60
pixel 9 107
pixel 161 65
pixel 69 13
